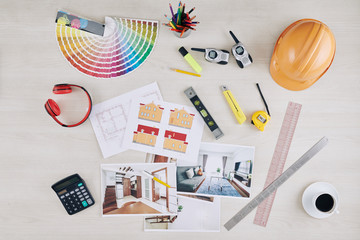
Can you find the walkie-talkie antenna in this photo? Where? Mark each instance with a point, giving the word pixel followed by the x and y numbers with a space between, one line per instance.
pixel 233 36
pixel 266 106
pixel 198 49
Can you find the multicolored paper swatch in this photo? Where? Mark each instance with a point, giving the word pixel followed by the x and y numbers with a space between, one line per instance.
pixel 124 46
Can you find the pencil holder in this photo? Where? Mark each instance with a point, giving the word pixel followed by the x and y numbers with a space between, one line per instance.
pixel 185 34
pixel 180 22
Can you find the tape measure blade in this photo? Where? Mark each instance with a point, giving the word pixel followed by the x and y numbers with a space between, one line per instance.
pixel 279 158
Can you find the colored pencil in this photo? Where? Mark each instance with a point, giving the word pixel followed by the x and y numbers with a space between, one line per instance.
pixel 182 32
pixel 171 9
pixel 172 25
pixel 167 17
pixel 185 72
pixel 178 13
pixel 181 20
pixel 191 10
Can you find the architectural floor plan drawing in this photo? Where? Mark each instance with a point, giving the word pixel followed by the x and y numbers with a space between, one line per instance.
pixel 109 118
pixel 113 121
pixel 163 128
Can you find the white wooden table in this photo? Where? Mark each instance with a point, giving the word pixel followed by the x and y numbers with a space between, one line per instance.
pixel 36 152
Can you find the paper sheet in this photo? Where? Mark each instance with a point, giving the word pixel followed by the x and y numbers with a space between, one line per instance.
pixel 164 128
pixel 195 214
pixel 109 118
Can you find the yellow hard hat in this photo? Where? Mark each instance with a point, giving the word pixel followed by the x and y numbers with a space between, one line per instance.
pixel 302 54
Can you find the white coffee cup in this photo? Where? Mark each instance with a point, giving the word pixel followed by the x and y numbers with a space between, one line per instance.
pixel 320 200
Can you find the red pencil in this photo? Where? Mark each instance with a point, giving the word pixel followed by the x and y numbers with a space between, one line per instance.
pixel 182 32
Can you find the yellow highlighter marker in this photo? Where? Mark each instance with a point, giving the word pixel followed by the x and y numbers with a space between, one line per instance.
pixel 156 179
pixel 197 68
pixel 240 116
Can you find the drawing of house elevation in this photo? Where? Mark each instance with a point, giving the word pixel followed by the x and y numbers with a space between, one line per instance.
pixel 146 135
pixel 150 112
pixel 175 141
pixel 181 118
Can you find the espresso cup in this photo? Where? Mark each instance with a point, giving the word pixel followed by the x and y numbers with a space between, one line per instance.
pixel 320 200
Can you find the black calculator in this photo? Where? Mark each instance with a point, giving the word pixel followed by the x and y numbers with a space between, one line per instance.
pixel 73 194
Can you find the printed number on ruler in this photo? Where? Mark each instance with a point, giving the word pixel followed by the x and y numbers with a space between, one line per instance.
pixel 278 161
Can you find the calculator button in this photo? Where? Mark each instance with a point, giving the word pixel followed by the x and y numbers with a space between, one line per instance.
pixel 89 201
pixel 82 199
pixel 82 187
pixel 84 203
pixel 84 190
pixel 80 196
pixel 75 209
pixel 78 193
pixel 62 196
pixel 87 196
pixel 72 192
pixel 80 184
pixel 67 195
pixel 76 190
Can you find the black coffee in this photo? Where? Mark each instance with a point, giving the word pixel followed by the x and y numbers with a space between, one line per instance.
pixel 324 202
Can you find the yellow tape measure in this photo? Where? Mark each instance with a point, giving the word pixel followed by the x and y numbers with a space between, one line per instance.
pixel 261 118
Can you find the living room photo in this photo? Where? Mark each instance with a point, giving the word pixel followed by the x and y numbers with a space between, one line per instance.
pixel 219 170
pixel 142 189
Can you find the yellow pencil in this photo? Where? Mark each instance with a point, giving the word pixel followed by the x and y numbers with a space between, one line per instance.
pixel 156 179
pixel 172 25
pixel 189 73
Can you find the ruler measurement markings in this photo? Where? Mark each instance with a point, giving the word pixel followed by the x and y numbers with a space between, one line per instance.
pixel 277 183
pixel 279 158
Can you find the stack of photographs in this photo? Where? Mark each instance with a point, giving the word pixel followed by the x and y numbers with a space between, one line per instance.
pixel 178 194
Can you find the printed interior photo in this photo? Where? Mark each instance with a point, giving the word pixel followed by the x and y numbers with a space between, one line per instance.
pixel 219 170
pixel 145 189
pixel 154 158
pixel 195 214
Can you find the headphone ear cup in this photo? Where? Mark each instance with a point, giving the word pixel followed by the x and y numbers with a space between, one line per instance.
pixel 62 89
pixel 52 108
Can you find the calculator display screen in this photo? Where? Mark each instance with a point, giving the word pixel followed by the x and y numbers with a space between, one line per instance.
pixel 66 183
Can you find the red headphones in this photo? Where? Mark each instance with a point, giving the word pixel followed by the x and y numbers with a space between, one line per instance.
pixel 53 109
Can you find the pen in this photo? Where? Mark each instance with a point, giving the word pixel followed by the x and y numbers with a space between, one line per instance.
pixel 156 179
pixel 185 72
pixel 240 116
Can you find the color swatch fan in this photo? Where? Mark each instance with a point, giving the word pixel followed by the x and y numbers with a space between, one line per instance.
pixel 105 51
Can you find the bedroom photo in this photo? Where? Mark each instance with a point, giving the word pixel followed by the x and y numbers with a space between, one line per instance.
pixel 220 170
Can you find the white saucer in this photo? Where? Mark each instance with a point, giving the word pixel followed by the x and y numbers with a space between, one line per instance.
pixel 313 190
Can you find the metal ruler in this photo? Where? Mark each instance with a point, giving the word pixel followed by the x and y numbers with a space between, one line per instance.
pixel 279 158
pixel 276 183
